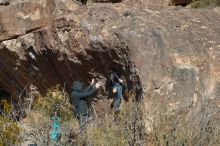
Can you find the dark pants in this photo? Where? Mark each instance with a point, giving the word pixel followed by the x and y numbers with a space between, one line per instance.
pixel 117 103
pixel 83 120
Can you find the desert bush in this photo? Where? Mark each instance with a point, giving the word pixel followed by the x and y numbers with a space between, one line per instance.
pixel 36 125
pixel 9 129
pixel 161 124
pixel 55 100
pixel 205 3
pixel 6 106
pixel 197 125
pixel 123 129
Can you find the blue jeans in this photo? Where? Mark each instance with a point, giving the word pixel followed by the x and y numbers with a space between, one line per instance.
pixel 117 104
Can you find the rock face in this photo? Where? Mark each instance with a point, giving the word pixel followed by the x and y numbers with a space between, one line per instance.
pixel 159 3
pixel 172 53
pixel 151 2
pixel 181 2
pixel 4 2
pixel 22 17
pixel 107 1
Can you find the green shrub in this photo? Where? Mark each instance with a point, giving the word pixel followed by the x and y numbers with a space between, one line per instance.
pixel 38 119
pixel 205 3
pixel 55 100
pixel 7 108
pixel 9 130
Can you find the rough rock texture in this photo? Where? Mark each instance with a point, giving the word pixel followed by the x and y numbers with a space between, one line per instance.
pixel 149 3
pixel 172 53
pixel 4 2
pixel 152 4
pixel 107 1
pixel 22 17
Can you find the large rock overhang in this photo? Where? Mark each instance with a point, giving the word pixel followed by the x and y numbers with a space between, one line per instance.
pixel 61 54
pixel 169 53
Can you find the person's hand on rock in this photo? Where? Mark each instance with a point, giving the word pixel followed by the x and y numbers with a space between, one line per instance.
pixel 120 80
pixel 93 81
pixel 97 85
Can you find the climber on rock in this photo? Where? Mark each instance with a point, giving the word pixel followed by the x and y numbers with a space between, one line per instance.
pixel 114 77
pixel 117 91
pixel 82 110
pixel 116 88
pixel 111 80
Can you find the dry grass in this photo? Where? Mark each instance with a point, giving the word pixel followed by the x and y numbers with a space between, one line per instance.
pixel 123 129
pixel 197 125
pixel 165 124
pixel 115 130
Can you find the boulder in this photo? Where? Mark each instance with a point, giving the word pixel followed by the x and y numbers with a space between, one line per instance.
pixel 171 53
pixel 23 17
pixel 4 2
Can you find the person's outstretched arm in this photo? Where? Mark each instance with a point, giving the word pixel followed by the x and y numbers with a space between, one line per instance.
pixel 87 88
pixel 83 94
pixel 115 75
pixel 90 86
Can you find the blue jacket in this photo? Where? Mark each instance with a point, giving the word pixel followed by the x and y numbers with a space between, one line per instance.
pixel 119 94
